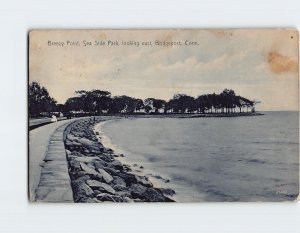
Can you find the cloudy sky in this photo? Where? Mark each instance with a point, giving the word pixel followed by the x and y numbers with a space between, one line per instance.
pixel 257 64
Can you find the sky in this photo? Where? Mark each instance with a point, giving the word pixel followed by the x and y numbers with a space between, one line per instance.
pixel 259 64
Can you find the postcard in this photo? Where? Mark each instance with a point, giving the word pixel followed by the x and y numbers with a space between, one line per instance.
pixel 163 115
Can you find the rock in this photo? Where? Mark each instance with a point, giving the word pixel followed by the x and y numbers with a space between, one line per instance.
pixel 89 200
pixel 127 199
pixel 141 167
pixel 124 193
pixel 80 173
pixel 100 163
pixel 89 170
pixel 85 141
pixel 100 186
pixel 119 187
pixel 97 192
pixel 153 195
pixel 71 137
pixel 75 166
pixel 117 165
pixel 126 168
pixel 68 152
pixel 92 150
pixel 87 159
pixel 167 191
pixel 105 197
pixel 105 176
pixel 72 144
pixel 128 178
pixel 144 181
pixel 137 191
pixel 75 154
pixel 118 181
pixel 81 189
pixel 112 171
pixel 106 158
pixel 83 178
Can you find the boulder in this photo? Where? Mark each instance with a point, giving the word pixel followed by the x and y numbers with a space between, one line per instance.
pixel 80 190
pixel 116 164
pixel 68 152
pixel 112 171
pixel 100 186
pixel 99 163
pixel 87 159
pixel 89 200
pixel 105 197
pixel 127 199
pixel 75 154
pixel 128 178
pixel 152 195
pixel 167 191
pixel 105 176
pixel 75 164
pixel 118 181
pixel 119 187
pixel 83 178
pixel 85 141
pixel 72 143
pixel 106 158
pixel 124 193
pixel 137 191
pixel 71 137
pixel 144 181
pixel 90 170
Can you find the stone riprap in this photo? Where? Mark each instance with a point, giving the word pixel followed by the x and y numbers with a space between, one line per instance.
pixel 97 176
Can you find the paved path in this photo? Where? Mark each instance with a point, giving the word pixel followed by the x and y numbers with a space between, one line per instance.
pixel 35 123
pixel 49 179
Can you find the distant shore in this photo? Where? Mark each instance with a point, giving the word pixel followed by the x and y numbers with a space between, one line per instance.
pixel 176 115
pixel 193 115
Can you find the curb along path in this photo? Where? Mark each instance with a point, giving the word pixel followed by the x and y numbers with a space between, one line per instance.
pixel 55 183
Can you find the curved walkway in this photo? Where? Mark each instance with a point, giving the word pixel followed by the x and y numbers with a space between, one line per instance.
pixel 49 179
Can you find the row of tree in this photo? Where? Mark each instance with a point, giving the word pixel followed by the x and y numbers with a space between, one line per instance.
pixel 97 102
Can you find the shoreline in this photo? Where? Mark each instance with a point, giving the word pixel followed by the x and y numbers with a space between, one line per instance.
pixel 98 175
pixel 158 179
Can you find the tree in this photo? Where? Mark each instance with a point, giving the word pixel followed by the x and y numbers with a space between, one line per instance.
pixel 155 104
pixel 125 104
pixel 95 101
pixel 139 105
pixel 75 104
pixel 117 105
pixel 40 100
pixel 148 108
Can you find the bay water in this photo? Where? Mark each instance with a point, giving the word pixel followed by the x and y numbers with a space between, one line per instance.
pixel 249 158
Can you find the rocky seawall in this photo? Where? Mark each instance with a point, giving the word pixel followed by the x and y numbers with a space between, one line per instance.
pixel 98 176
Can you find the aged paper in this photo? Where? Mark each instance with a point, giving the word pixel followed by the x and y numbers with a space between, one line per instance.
pixel 170 115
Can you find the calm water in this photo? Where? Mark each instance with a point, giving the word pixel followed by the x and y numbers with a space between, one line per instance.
pixel 213 159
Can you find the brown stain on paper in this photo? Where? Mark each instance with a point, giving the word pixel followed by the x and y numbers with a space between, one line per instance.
pixel 279 63
pixel 220 33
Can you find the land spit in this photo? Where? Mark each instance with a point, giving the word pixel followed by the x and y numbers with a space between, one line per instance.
pixel 96 173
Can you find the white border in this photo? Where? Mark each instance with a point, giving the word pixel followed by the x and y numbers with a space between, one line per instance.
pixel 17 215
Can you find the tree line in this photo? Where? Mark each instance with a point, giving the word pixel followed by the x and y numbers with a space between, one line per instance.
pixel 97 102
